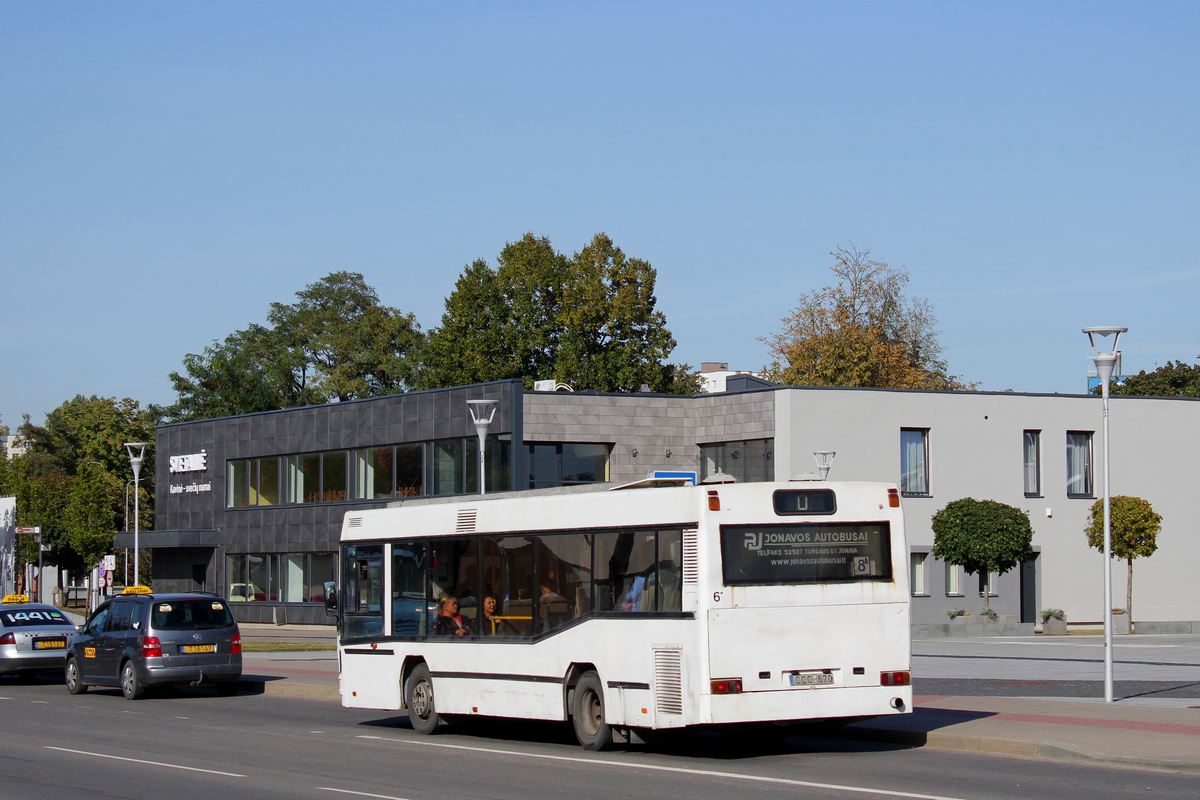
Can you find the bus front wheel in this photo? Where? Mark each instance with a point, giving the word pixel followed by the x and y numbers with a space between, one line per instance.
pixel 587 714
pixel 418 698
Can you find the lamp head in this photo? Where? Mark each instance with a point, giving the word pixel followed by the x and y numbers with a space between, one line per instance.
pixel 1104 331
pixel 824 457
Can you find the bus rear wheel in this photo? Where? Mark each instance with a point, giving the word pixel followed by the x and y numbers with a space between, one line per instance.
pixel 418 698
pixel 587 713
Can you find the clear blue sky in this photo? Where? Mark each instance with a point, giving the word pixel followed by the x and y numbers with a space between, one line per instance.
pixel 167 169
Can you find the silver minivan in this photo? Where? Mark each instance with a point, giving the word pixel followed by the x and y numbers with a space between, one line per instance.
pixel 144 639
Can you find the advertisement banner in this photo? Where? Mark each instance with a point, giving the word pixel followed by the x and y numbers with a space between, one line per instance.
pixel 8 544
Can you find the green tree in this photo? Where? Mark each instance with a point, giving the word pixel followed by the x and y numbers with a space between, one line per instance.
pixel 89 516
pixel 84 436
pixel 589 321
pixel 354 346
pixel 1135 526
pixel 861 331
pixel 1174 379
pixel 249 372
pixel 982 536
pixel 336 342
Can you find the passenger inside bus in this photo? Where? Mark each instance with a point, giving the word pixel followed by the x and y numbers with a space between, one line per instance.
pixel 449 621
pixel 487 617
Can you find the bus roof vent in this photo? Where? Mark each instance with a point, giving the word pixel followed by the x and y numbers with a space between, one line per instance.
pixel 354 522
pixel 466 520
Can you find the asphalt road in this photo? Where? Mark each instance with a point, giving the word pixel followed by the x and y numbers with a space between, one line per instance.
pixel 193 744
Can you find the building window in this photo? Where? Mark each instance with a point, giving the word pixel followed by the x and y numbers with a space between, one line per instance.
pixel 278 577
pixel 1032 448
pixel 953 587
pixel 454 465
pixel 253 482
pixel 992 582
pixel 1079 464
pixel 916 573
pixel 747 461
pixel 566 463
pixel 914 461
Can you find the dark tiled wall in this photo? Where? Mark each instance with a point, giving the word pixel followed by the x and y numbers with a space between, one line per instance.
pixel 414 417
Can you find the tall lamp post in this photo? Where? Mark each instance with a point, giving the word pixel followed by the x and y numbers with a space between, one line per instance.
pixel 136 459
pixel 482 412
pixel 1105 363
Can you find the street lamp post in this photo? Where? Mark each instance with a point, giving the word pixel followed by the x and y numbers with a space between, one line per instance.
pixel 482 412
pixel 1105 363
pixel 136 460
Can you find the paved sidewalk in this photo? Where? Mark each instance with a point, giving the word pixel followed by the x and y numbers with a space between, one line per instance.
pixel 1157 729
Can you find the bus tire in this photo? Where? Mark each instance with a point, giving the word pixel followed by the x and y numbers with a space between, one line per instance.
pixel 418 698
pixel 587 713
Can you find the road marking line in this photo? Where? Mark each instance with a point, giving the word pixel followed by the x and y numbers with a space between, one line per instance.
pixel 40 702
pixel 662 768
pixel 359 794
pixel 143 761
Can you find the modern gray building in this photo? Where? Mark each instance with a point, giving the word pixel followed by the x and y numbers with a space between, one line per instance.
pixel 251 506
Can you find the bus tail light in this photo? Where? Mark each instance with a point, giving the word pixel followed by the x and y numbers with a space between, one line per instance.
pixel 727 686
pixel 8 638
pixel 714 501
pixel 893 498
pixel 901 678
pixel 236 645
pixel 151 647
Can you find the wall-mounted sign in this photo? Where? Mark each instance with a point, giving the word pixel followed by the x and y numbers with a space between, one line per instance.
pixel 193 488
pixel 195 462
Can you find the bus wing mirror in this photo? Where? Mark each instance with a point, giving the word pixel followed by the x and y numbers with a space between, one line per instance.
pixel 331 598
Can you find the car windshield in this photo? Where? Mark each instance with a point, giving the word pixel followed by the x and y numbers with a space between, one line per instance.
pixel 190 614
pixel 17 618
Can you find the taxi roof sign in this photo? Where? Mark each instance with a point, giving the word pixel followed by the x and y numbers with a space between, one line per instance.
pixel 14 598
pixel 137 590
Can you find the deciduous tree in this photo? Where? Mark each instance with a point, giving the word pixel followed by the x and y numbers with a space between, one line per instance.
pixel 336 342
pixel 1173 379
pixel 982 536
pixel 590 321
pixel 1135 526
pixel 862 331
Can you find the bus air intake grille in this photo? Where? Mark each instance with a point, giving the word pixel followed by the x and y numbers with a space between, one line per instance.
pixel 668 681
pixel 691 572
pixel 466 521
pixel 355 522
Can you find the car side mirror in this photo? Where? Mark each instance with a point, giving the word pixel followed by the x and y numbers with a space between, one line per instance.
pixel 331 603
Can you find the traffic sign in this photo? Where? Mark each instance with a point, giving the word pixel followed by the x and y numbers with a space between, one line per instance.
pixel 29 529
pixel 110 562
pixel 45 548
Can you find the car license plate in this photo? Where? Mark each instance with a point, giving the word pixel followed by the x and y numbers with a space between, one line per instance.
pixel 811 678
pixel 49 644
pixel 198 648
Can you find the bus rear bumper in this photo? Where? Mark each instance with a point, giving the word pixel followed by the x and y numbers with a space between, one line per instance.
pixel 797 705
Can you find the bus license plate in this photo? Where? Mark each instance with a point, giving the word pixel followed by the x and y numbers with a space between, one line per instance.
pixel 812 678
pixel 198 648
pixel 49 644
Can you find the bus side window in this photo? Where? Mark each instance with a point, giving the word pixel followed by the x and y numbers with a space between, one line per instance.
pixel 409 606
pixel 670 570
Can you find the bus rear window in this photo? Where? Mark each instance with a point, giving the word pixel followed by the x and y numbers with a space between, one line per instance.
pixel 814 552
pixel 790 502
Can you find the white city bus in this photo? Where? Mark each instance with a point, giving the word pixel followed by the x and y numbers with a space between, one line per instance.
pixel 641 608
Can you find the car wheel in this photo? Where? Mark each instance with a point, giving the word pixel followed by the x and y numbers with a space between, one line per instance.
pixel 228 689
pixel 130 686
pixel 418 698
pixel 587 713
pixel 75 684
